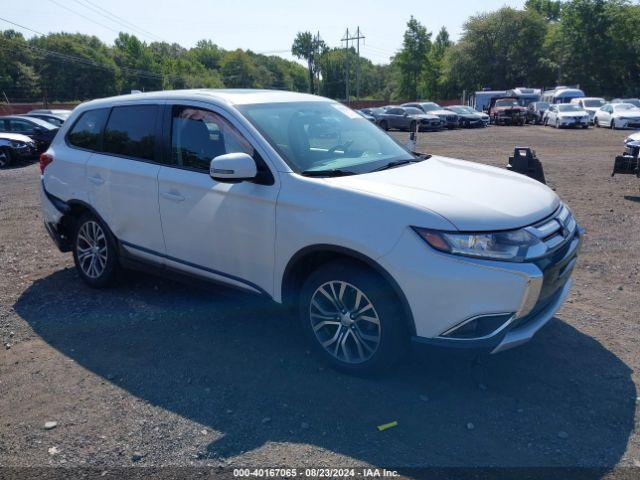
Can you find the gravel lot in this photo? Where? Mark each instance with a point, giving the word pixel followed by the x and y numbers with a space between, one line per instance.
pixel 159 373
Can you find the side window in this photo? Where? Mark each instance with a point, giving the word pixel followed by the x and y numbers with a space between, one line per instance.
pixel 197 136
pixel 131 131
pixel 87 130
pixel 20 126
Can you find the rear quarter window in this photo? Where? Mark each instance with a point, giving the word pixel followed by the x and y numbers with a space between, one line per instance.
pixel 130 131
pixel 87 131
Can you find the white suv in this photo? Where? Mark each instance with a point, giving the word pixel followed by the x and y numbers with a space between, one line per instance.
pixel 304 201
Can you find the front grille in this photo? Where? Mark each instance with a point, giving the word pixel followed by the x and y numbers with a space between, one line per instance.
pixel 556 230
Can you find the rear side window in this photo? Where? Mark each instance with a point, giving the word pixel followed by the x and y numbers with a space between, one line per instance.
pixel 131 131
pixel 87 130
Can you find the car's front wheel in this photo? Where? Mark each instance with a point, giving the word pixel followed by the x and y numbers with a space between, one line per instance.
pixel 351 317
pixel 94 252
pixel 5 157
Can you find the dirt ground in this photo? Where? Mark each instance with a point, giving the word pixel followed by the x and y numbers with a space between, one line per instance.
pixel 159 373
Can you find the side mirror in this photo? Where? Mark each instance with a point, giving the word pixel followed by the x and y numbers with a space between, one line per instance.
pixel 233 167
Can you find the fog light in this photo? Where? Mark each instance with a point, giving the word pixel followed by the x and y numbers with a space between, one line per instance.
pixel 479 327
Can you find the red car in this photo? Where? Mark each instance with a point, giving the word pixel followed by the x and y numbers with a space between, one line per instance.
pixel 507 111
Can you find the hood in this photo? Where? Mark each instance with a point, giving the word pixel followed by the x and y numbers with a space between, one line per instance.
pixel 16 136
pixel 472 196
pixel 627 114
pixel 510 107
pixel 634 137
pixel 578 113
pixel 442 113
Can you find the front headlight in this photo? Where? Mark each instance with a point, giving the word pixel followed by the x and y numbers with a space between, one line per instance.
pixel 17 144
pixel 512 245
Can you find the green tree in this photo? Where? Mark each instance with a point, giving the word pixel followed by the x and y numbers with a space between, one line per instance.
pixel 549 9
pixel 431 86
pixel 412 60
pixel 307 47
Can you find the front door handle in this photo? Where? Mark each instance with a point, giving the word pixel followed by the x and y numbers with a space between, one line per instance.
pixel 96 180
pixel 176 197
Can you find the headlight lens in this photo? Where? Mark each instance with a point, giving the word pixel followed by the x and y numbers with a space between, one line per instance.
pixel 17 144
pixel 512 245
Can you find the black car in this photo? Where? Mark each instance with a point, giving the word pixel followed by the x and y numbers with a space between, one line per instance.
pixel 407 119
pixel 466 118
pixel 53 119
pixel 372 112
pixel 15 147
pixel 39 131
pixel 535 112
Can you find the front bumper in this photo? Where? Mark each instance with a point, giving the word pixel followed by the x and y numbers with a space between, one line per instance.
pixel 633 123
pixel 446 291
pixel 573 122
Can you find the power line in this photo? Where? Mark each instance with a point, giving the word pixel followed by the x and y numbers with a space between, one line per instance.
pixel 117 19
pixel 22 26
pixel 83 16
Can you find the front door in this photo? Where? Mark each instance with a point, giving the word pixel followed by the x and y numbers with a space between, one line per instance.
pixel 225 231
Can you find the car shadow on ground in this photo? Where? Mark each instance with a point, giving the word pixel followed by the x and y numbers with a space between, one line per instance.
pixel 561 400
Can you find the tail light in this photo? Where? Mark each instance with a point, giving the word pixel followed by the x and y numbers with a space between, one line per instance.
pixel 45 160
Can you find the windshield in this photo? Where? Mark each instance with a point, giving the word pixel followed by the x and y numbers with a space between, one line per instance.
pixel 413 111
pixel 507 103
pixel 319 136
pixel 42 123
pixel 624 106
pixel 429 107
pixel 593 103
pixel 633 101
pixel 569 108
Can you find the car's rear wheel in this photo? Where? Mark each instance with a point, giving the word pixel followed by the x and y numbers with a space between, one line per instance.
pixel 351 317
pixel 5 157
pixel 94 252
pixel 384 125
pixel 613 124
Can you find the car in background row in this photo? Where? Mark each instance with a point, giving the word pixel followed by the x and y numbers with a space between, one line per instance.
pixel 507 111
pixel 618 115
pixel 590 104
pixel 536 111
pixel 40 131
pixel 468 117
pixel 59 112
pixel 407 119
pixel 14 146
pixel 371 118
pixel 53 119
pixel 632 101
pixel 567 115
pixel 449 118
pixel 372 112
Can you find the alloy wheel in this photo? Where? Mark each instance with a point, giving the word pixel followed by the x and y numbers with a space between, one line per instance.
pixel 91 249
pixel 345 322
pixel 4 159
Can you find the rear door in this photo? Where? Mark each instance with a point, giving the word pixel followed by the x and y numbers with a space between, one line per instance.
pixel 224 231
pixel 123 178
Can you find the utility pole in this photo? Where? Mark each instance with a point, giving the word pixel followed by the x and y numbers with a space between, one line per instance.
pixel 357 39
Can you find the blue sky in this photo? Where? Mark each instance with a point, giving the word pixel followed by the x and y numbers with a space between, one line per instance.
pixel 262 26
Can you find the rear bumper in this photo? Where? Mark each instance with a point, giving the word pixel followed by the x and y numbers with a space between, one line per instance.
pixel 54 211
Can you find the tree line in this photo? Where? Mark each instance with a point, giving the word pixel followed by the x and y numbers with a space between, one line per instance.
pixel 591 43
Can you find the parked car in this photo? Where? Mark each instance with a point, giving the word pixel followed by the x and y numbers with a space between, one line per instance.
pixel 618 115
pixel 536 111
pixel 368 244
pixel 633 138
pixel 373 112
pixel 632 101
pixel 567 115
pixel 467 116
pixel 371 118
pixel 14 146
pixel 56 111
pixel 407 119
pixel 39 131
pixel 449 118
pixel 507 111
pixel 590 104
pixel 53 119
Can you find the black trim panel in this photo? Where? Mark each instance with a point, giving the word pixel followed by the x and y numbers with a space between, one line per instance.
pixel 195 265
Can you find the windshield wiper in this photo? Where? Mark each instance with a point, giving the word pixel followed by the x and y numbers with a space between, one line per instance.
pixel 327 173
pixel 397 163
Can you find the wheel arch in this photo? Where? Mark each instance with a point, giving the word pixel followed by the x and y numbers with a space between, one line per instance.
pixel 310 258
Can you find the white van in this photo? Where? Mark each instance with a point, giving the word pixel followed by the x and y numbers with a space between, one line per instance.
pixel 590 104
pixel 302 200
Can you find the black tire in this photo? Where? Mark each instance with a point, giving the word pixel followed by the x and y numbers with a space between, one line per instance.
pixel 384 125
pixel 596 122
pixel 107 267
pixel 613 125
pixel 5 157
pixel 412 126
pixel 390 330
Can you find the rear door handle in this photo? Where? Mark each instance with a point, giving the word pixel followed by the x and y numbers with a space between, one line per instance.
pixel 176 197
pixel 96 180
